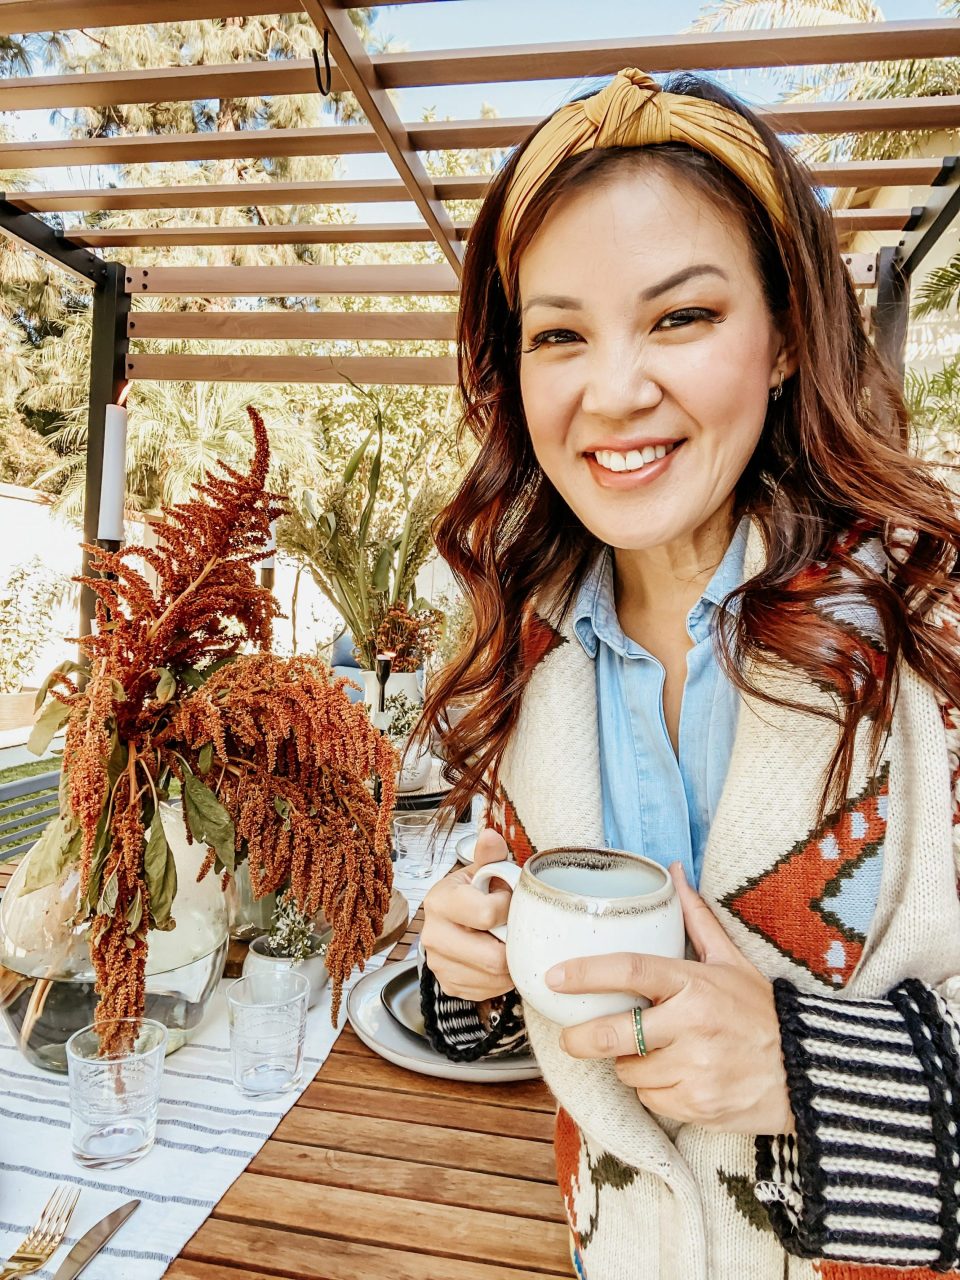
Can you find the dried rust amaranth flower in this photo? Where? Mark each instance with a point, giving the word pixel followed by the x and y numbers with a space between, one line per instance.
pixel 410 637
pixel 271 759
pixel 291 762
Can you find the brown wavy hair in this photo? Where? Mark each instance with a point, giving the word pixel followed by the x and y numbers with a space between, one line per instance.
pixel 831 466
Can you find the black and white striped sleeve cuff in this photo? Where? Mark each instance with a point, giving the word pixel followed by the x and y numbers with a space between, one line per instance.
pixel 454 1027
pixel 873 1173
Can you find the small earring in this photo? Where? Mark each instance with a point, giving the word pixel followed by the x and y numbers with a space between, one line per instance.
pixel 777 391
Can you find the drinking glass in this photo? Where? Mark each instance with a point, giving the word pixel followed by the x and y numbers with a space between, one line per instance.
pixel 415 836
pixel 268 1021
pixel 114 1096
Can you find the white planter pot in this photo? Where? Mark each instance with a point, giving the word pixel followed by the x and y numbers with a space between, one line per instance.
pixel 405 682
pixel 414 768
pixel 314 968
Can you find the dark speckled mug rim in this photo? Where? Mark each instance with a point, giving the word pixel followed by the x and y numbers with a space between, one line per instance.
pixel 635 904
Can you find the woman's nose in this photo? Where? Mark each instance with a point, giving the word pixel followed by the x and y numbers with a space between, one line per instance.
pixel 617 386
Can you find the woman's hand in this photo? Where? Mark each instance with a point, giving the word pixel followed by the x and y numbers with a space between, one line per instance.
pixel 466 960
pixel 711 1033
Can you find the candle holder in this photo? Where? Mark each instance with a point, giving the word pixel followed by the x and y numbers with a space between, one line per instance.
pixel 382 665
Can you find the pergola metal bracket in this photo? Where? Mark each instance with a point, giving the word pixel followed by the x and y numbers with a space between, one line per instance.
pixel 932 219
pixel 33 232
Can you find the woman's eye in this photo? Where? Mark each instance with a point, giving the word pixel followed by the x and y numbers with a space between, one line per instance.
pixel 686 316
pixel 551 338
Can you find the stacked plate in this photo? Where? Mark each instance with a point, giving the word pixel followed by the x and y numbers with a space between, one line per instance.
pixel 384 1011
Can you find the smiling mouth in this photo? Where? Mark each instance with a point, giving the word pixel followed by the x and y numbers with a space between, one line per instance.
pixel 616 462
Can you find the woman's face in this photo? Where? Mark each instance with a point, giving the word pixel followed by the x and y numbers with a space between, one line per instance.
pixel 649 355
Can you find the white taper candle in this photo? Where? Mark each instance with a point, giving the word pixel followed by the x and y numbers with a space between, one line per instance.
pixel 113 478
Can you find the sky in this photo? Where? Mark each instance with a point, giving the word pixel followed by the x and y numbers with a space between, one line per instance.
pixel 446 24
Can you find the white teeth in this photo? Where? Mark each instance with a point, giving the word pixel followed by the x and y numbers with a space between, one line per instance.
pixel 633 459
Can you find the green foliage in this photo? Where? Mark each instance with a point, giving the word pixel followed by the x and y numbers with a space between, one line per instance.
pixel 27 603
pixel 934 403
pixel 940 290
pixel 366 535
pixel 291 933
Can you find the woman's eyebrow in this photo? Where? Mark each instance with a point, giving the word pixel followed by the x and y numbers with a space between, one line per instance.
pixel 681 277
pixel 552 300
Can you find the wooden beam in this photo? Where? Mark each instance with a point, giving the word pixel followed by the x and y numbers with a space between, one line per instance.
pixel 358 71
pixel 871 219
pixel 842 173
pixel 359 326
pixel 290 233
pixel 854 42
pixel 23 17
pixel 296 282
pixel 369 232
pixel 443 135
pixel 424 371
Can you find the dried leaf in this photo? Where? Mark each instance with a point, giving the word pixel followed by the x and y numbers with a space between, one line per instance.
pixel 107 902
pixel 166 685
pixel 53 716
pixel 67 667
pixel 59 844
pixel 135 913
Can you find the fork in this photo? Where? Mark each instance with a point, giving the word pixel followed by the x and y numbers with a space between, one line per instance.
pixel 43 1239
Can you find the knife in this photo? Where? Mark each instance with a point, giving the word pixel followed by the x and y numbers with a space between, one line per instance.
pixel 90 1244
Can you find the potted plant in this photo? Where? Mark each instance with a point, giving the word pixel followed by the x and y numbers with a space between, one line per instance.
pixel 272 763
pixel 292 943
pixel 400 718
pixel 364 540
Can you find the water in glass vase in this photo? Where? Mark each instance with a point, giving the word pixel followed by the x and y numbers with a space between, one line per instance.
pixel 43 1013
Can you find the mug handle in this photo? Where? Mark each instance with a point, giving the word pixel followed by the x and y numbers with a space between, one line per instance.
pixel 508 871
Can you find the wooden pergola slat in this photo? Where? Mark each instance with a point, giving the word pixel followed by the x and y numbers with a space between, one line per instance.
pixel 842 173
pixel 245 195
pixel 854 42
pixel 370 232
pixel 427 371
pixel 297 282
pixel 291 233
pixel 374 326
pixel 443 135
pixel 25 17
pixel 361 77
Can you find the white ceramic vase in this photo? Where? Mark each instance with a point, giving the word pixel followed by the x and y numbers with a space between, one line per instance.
pixel 415 767
pixel 314 968
pixel 405 682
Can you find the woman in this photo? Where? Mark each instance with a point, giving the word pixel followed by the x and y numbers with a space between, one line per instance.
pixel 713 595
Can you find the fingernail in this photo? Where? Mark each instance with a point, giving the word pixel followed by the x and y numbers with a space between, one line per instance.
pixel 554 977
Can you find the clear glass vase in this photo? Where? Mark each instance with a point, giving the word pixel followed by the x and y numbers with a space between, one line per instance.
pixel 46 976
pixel 249 916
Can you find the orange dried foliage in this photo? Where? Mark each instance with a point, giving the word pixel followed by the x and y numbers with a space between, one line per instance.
pixel 292 756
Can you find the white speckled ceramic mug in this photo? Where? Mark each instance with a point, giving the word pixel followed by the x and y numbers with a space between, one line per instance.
pixel 576 902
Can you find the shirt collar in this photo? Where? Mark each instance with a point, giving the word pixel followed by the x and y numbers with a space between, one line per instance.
pixel 595 611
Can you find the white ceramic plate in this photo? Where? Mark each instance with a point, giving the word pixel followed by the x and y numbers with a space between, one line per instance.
pixel 384 1035
pixel 466 847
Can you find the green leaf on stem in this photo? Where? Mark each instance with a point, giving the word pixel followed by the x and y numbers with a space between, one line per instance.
pixel 282 807
pixel 161 875
pixel 205 758
pixel 209 821
pixel 107 902
pixel 135 913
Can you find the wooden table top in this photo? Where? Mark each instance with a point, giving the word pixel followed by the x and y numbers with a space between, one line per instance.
pixel 378 1173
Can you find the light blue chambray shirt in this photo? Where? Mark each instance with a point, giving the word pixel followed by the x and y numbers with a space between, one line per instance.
pixel 655 802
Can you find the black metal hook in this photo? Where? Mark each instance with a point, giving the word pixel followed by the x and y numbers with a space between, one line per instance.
pixel 326 73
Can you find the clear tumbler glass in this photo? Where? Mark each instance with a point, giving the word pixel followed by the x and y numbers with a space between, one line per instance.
pixel 268 1022
pixel 114 1096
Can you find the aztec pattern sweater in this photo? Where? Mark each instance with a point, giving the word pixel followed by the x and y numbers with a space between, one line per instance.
pixel 869 1189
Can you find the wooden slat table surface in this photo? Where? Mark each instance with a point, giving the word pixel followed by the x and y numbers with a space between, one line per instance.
pixel 378 1173
pixel 381 1174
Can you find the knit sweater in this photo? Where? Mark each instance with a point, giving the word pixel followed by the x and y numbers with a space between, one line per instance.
pixel 869 1018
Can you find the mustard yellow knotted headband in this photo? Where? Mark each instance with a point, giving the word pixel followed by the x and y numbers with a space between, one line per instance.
pixel 633 111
